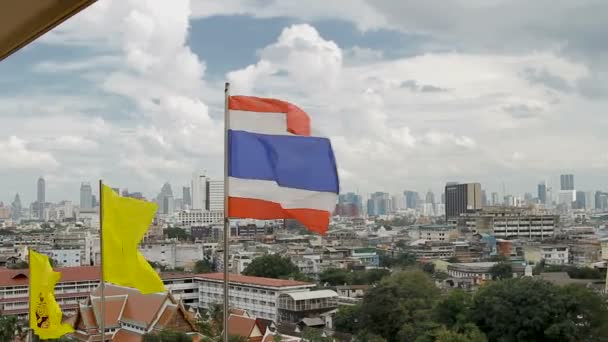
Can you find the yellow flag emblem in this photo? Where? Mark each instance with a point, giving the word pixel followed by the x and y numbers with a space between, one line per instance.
pixel 45 313
pixel 124 224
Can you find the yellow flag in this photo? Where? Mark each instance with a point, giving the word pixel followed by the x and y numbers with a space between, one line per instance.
pixel 45 313
pixel 124 224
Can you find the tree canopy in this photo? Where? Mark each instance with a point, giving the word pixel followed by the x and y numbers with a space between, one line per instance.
pixel 272 266
pixel 203 266
pixel 501 270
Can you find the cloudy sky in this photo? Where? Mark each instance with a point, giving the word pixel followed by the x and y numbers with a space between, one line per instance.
pixel 412 93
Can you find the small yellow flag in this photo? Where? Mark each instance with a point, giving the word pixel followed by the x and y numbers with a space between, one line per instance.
pixel 124 224
pixel 45 313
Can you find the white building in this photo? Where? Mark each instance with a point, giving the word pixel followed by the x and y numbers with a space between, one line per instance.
pixel 199 191
pixel 258 296
pixel 216 195
pixel 199 217
pixel 555 254
pixel 566 197
pixel 66 257
pixel 173 254
pixel 432 232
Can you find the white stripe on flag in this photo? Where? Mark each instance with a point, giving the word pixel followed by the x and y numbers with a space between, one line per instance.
pixel 255 122
pixel 289 198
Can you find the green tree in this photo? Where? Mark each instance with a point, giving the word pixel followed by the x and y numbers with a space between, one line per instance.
pixel 315 335
pixel 471 335
pixel 347 319
pixel 527 309
pixel 177 233
pixel 203 266
pixel 454 310
pixel 402 302
pixel 334 277
pixel 428 267
pixel 9 328
pixel 272 266
pixel 19 265
pixel 366 336
pixel 501 270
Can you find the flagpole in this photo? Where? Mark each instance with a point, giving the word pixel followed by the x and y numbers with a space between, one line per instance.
pixel 102 285
pixel 226 215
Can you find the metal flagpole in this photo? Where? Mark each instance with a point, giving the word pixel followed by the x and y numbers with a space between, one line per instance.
pixel 226 216
pixel 102 285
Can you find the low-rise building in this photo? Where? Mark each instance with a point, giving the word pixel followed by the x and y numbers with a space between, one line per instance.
pixel 295 306
pixel 555 254
pixel 433 232
pixel 475 273
pixel 258 296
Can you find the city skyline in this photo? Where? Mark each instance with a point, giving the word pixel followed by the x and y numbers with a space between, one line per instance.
pixel 76 106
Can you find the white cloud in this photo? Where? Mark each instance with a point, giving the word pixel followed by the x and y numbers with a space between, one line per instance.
pixel 18 155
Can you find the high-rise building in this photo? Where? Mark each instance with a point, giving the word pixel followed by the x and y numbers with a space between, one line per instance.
pixel 378 204
pixel 567 182
pixel 567 197
pixel 580 202
pixel 484 198
pixel 601 200
pixel 86 196
pixel 41 197
pixel 462 198
pixel 199 191
pixel 590 200
pixel 430 198
pixel 16 208
pixel 411 199
pixel 542 193
pixel 186 196
pixel 349 205
pixel 495 199
pixel 165 200
pixel 215 199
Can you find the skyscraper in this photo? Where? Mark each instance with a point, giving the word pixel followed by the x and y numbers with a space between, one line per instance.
pixel 462 198
pixel 430 198
pixel 411 199
pixel 567 182
pixel 580 202
pixel 86 196
pixel 41 197
pixel 484 198
pixel 215 193
pixel 186 196
pixel 495 199
pixel 378 204
pixel 199 191
pixel 16 208
pixel 165 200
pixel 542 193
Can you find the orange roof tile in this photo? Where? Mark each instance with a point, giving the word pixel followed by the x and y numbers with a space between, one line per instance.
pixel 166 316
pixel 113 309
pixel 260 281
pixel 126 336
pixel 139 308
pixel 240 325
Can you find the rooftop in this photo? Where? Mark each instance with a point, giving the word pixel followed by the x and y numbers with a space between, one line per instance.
pixel 248 280
pixel 305 295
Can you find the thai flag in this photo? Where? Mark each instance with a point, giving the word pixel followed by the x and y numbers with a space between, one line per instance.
pixel 276 170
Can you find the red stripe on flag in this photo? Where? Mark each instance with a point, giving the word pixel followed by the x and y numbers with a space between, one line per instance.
pixel 313 219
pixel 298 121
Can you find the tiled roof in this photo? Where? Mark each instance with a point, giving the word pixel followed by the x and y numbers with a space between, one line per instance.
pixel 248 280
pixel 126 336
pixel 166 316
pixel 240 326
pixel 139 308
pixel 112 310
pixel 10 277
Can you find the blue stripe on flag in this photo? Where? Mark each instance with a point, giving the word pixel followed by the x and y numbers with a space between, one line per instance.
pixel 292 161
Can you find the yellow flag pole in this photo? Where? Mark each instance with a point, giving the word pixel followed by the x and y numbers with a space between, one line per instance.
pixel 102 285
pixel 226 215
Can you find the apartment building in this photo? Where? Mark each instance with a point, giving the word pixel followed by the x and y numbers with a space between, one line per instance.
pixel 511 223
pixel 258 296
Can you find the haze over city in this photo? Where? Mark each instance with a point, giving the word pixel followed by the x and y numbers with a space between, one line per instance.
pixel 411 97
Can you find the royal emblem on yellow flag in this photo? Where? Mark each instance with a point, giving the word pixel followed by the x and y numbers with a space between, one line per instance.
pixel 124 224
pixel 45 313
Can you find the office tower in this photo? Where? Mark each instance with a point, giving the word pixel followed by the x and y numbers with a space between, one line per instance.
pixel 430 198
pixel 590 200
pixel 41 191
pixel 567 197
pixel 16 208
pixel 580 202
pixel 94 202
pixel 186 196
pixel 443 198
pixel 495 199
pixel 86 196
pixel 567 182
pixel 601 200
pixel 462 198
pixel 542 193
pixel 349 205
pixel 215 193
pixel 484 198
pixel 199 191
pixel 378 204
pixel 411 199
pixel 165 200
